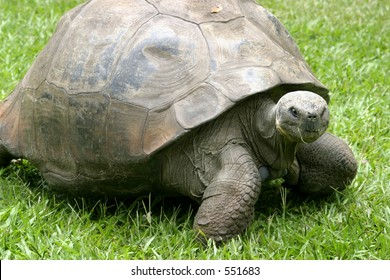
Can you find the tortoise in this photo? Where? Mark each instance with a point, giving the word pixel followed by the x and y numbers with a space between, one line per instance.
pixel 206 99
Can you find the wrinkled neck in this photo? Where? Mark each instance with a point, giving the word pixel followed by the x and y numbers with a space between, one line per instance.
pixel 261 117
pixel 267 144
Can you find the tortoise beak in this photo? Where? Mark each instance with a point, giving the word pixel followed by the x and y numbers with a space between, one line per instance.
pixel 314 124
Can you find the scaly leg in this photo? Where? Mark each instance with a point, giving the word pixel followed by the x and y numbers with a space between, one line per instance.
pixel 227 205
pixel 323 166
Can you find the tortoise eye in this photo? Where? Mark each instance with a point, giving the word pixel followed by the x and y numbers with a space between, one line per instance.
pixel 293 112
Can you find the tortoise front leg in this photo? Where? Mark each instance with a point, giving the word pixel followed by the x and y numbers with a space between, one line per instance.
pixel 323 166
pixel 227 205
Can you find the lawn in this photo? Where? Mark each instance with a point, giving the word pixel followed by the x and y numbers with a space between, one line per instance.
pixel 347 45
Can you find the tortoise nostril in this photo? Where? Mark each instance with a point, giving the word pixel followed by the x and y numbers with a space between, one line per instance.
pixel 312 116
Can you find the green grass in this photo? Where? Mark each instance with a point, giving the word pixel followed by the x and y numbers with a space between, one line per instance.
pixel 347 45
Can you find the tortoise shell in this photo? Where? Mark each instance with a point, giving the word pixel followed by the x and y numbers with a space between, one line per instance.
pixel 122 79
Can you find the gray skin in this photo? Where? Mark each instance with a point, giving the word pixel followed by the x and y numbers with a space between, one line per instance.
pixel 132 97
pixel 219 164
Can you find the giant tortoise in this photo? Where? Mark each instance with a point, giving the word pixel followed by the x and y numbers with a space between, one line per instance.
pixel 206 99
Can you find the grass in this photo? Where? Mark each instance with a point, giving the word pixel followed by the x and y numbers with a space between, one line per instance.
pixel 345 42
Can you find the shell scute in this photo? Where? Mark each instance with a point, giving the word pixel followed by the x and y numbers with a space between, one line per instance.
pixel 140 74
pixel 165 59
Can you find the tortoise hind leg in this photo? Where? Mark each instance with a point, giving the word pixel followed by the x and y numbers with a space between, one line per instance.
pixel 5 156
pixel 325 165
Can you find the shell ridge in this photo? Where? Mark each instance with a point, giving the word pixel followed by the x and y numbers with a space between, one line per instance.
pixel 154 6
pixel 144 131
pixel 216 89
pixel 222 21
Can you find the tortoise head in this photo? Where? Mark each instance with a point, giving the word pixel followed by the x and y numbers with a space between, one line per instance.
pixel 302 116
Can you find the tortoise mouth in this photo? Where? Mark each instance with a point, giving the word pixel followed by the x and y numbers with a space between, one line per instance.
pixel 299 133
pixel 310 135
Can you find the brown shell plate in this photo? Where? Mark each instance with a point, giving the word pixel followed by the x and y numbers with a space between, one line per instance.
pixel 128 77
